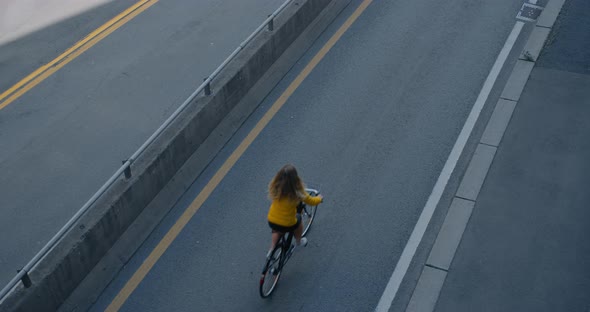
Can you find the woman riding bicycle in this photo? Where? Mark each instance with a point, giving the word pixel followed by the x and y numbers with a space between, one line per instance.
pixel 286 191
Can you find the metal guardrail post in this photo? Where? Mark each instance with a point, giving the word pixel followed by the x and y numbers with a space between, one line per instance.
pixel 25 279
pixel 207 87
pixel 127 169
pixel 271 24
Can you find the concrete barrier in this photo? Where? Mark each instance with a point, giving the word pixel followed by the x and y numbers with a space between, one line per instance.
pixel 62 270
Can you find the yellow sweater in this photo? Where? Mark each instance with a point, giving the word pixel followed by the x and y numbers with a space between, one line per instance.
pixel 283 212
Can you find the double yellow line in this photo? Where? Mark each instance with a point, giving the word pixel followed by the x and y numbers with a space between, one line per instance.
pixel 80 47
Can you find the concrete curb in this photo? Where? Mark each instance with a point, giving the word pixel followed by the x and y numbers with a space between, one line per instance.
pixel 517 80
pixel 532 50
pixel 435 270
pixel 498 122
pixel 450 234
pixel 476 172
pixel 62 270
pixel 550 13
pixel 427 291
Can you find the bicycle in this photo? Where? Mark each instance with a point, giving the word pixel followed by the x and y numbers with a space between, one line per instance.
pixel 284 249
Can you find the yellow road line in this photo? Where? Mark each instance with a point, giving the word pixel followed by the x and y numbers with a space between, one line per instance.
pixel 159 250
pixel 80 47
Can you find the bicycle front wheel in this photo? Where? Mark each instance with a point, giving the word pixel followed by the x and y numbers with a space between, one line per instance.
pixel 271 272
pixel 307 217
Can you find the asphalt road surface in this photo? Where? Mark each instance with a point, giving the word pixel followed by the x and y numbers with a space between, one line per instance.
pixel 372 126
pixel 61 140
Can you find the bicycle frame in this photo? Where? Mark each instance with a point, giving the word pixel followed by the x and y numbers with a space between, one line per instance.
pixel 287 247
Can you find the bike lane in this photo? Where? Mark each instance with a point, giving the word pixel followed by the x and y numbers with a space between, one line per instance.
pixel 373 135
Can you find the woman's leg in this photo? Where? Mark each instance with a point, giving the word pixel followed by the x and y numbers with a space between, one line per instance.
pixel 275 238
pixel 298 232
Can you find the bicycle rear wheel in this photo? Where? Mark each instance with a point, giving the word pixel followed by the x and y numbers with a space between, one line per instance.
pixel 271 272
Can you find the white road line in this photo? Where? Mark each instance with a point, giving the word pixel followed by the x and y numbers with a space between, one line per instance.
pixel 533 1
pixel 416 237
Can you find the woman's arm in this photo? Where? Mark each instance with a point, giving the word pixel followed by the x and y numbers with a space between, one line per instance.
pixel 312 200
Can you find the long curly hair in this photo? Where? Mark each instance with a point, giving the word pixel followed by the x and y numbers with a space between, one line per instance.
pixel 286 184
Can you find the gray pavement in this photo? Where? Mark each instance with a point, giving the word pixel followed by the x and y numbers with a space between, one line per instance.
pixel 373 125
pixel 525 247
pixel 34 32
pixel 63 139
